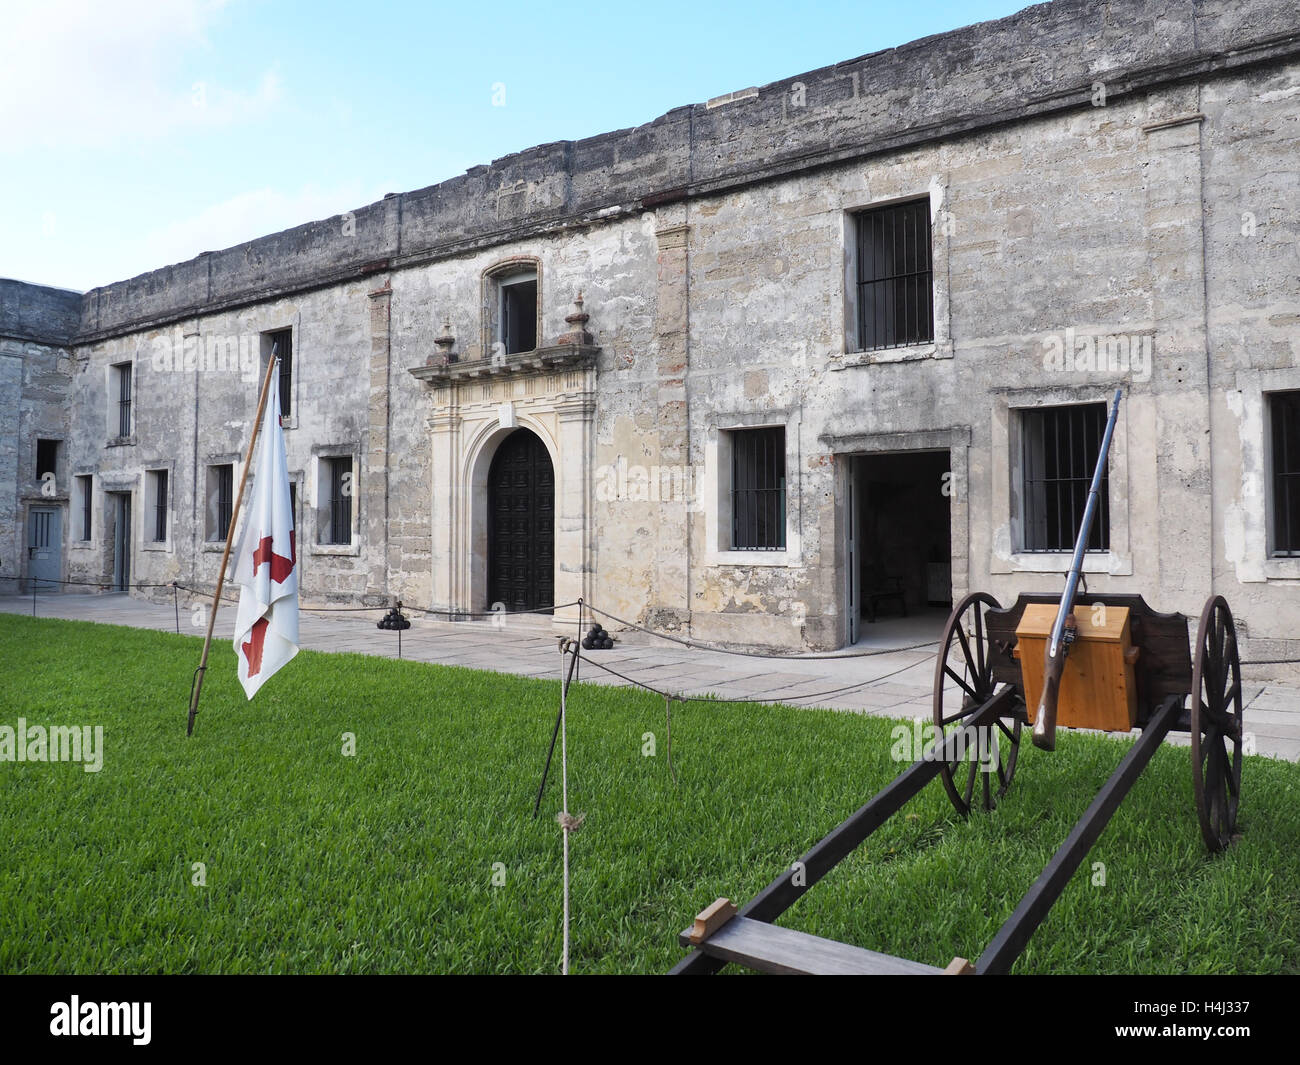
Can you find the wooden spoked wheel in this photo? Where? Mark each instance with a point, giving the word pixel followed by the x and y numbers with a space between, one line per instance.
pixel 963 682
pixel 1216 725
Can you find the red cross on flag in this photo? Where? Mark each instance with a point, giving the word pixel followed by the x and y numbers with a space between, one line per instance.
pixel 266 562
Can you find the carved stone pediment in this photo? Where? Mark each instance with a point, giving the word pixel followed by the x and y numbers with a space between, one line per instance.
pixel 546 360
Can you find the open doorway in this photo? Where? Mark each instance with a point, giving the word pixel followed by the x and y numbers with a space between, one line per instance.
pixel 121 512
pixel 899 557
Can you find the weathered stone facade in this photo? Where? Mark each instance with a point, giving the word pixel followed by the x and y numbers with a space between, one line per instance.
pixel 36 327
pixel 1120 170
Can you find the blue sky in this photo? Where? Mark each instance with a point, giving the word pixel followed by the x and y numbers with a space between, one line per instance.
pixel 137 133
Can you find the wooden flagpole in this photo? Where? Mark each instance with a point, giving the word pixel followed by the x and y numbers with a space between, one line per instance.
pixel 196 687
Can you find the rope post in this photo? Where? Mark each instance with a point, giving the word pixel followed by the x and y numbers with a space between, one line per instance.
pixel 537 805
pixel 668 714
pixel 564 821
pixel 176 602
pixel 33 597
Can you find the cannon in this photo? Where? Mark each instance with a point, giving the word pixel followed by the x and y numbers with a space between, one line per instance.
pixel 1105 662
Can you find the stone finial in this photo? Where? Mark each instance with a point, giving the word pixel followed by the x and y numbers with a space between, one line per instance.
pixel 577 322
pixel 444 343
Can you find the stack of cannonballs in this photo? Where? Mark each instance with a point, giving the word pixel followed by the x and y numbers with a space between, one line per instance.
pixel 597 639
pixel 394 619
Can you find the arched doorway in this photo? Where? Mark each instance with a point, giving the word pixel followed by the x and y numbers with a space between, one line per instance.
pixel 521 524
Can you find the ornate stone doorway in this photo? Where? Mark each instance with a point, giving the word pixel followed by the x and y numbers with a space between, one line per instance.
pixel 501 429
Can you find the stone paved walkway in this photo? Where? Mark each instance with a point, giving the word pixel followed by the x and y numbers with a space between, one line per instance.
pixel 885 683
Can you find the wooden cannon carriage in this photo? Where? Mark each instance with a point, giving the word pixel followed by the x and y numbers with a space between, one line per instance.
pixel 1106 662
pixel 1132 668
pixel 1133 660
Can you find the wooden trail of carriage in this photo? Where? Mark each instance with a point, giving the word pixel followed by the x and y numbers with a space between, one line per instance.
pixel 1129 667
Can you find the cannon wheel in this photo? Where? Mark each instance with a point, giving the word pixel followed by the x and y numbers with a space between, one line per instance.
pixel 963 681
pixel 1216 725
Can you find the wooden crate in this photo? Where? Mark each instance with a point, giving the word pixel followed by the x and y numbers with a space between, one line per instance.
pixel 1098 685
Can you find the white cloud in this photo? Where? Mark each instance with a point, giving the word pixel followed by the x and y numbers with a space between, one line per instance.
pixel 244 217
pixel 86 73
pixel 74 263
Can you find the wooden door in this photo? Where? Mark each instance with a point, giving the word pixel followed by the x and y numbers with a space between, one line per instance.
pixel 45 547
pixel 521 524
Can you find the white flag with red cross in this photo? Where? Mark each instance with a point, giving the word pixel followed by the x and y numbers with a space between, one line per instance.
pixel 266 562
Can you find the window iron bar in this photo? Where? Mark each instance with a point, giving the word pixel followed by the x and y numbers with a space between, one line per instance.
pixel 1285 413
pixel 1059 451
pixel 160 507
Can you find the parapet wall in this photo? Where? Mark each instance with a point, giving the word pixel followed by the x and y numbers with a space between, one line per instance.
pixel 38 313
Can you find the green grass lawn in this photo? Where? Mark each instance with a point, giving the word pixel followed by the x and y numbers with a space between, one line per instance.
pixel 383 862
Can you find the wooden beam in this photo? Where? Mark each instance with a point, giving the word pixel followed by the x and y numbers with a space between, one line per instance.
pixel 999 955
pixel 772 949
pixel 787 889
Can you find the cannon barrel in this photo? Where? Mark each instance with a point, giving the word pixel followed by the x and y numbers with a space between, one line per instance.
pixel 1064 628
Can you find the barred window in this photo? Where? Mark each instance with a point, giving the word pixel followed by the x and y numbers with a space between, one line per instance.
pixel 122 373
pixel 758 489
pixel 85 485
pixel 336 504
pixel 221 496
pixel 281 344
pixel 1284 414
pixel 158 502
pixel 895 276
pixel 1059 454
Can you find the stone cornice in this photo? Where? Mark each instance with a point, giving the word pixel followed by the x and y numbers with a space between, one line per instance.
pixel 542 360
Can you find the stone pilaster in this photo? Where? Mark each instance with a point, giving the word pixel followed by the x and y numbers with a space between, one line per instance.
pixel 448 499
pixel 374 480
pixel 670 603
pixel 1180 397
pixel 573 570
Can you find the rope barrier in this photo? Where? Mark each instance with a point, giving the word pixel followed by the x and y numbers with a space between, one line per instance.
pixel 767 697
pixel 583 607
pixel 800 656
pixel 110 583
pixel 388 606
pixel 695 645
pixel 634 683
pixel 140 586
